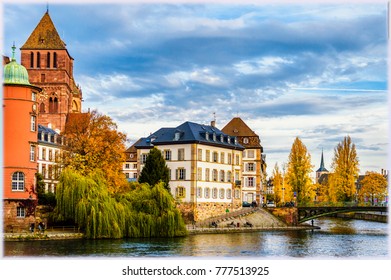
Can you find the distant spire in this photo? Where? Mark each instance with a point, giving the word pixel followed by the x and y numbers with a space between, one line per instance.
pixel 322 161
pixel 47 7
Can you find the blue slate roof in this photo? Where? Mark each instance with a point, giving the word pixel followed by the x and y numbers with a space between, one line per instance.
pixel 188 133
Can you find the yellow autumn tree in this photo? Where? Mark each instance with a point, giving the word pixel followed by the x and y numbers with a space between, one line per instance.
pixel 346 169
pixel 277 183
pixel 94 143
pixel 373 186
pixel 299 170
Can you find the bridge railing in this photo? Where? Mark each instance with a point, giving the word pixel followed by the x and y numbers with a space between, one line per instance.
pixel 341 204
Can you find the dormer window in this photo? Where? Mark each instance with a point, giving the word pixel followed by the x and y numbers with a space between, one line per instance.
pixel 221 138
pixel 229 139
pixel 245 140
pixel 177 135
pixel 236 141
pixel 214 136
pixel 207 135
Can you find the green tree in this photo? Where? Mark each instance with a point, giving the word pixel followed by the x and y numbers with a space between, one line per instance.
pixel 374 185
pixel 94 143
pixel 346 169
pixel 155 169
pixel 299 170
pixel 44 198
pixel 137 210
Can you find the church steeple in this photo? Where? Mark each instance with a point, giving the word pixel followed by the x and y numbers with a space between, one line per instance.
pixel 322 168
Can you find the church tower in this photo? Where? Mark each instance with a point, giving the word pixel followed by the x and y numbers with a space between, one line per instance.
pixel 50 67
pixel 322 170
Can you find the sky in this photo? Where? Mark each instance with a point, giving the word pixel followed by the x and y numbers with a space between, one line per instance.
pixel 315 71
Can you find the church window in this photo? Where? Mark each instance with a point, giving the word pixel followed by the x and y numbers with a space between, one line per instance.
pixel 48 60
pixel 42 108
pixel 38 60
pixel 53 105
pixel 54 60
pixel 31 60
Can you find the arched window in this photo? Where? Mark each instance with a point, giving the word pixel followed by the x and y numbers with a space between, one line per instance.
pixel 214 193
pixel 42 108
pixel 199 192
pixel 221 193
pixel 53 105
pixel 38 60
pixel 48 60
pixel 207 192
pixel 222 175
pixel 54 60
pixel 229 194
pixel 31 60
pixel 229 175
pixel 18 181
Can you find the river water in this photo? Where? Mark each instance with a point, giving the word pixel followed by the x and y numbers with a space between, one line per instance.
pixel 338 238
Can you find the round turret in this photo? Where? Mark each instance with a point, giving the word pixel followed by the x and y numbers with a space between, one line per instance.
pixel 15 73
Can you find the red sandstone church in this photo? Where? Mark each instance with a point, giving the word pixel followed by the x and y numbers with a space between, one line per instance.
pixel 40 91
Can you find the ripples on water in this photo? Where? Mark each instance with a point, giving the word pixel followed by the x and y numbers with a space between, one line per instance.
pixel 336 238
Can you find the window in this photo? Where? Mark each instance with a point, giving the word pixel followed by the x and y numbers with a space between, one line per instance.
pixel 221 138
pixel 250 167
pixel 127 175
pixel 250 181
pixel 43 155
pixel 214 136
pixel 33 122
pixel 32 153
pixel 229 139
pixel 222 156
pixel 18 181
pixel 127 165
pixel 214 193
pixel 245 140
pixel 215 157
pixel 134 165
pixel 177 136
pixel 199 174
pixel 180 192
pixel 221 193
pixel 207 174
pixel 207 192
pixel 181 174
pixel 222 175
pixel 38 60
pixel 237 193
pixel 167 154
pixel 229 158
pixel 250 154
pixel 199 192
pixel 214 175
pixel 207 156
pixel 43 78
pixel 200 154
pixel 55 60
pixel 48 60
pixel 31 60
pixel 53 105
pixel 50 155
pixel 135 175
pixel 33 96
pixel 237 158
pixel 143 158
pixel 206 135
pixel 42 108
pixel 229 175
pixel 229 194
pixel 20 212
pixel 181 154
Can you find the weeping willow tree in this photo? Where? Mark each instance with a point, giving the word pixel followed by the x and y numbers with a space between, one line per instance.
pixel 142 211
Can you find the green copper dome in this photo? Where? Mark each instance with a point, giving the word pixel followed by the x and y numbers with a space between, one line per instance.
pixel 15 73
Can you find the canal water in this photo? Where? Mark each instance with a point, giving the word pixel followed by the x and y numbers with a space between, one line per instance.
pixel 337 238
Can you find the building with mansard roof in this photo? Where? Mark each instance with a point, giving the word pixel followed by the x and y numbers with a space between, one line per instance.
pixel 254 161
pixel 205 167
pixel 50 67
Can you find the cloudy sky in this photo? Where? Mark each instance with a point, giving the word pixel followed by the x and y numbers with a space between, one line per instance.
pixel 316 71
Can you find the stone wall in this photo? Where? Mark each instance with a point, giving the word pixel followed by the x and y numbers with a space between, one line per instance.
pixel 205 210
pixel 11 222
pixel 289 215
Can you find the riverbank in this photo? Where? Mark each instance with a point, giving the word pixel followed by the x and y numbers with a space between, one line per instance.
pixel 191 231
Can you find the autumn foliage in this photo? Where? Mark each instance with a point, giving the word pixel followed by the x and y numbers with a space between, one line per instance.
pixel 93 143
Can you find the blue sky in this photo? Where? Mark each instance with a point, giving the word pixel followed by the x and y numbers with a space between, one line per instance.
pixel 317 71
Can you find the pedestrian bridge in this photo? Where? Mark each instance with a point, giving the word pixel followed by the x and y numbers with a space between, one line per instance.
pixel 306 213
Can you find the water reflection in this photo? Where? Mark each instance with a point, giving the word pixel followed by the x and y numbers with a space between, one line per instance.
pixel 336 238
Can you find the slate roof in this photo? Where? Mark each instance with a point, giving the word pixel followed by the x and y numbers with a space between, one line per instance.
pixel 45 36
pixel 188 133
pixel 322 168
